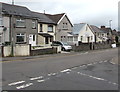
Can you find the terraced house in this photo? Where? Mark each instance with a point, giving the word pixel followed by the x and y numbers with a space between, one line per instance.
pixel 46 29
pixel 17 25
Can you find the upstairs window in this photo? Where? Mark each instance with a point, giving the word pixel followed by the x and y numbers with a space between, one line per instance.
pixel 81 38
pixel 50 28
pixel 41 26
pixel 1 21
pixel 65 25
pixel 33 24
pixel 20 22
pixel 75 38
pixel 91 38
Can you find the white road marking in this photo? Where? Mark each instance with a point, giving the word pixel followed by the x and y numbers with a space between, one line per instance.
pixel 15 83
pixel 82 65
pixel 97 78
pixel 112 63
pixel 112 83
pixel 67 70
pixel 40 80
pixel 54 73
pixel 36 78
pixel 90 64
pixel 85 52
pixel 105 61
pixel 100 62
pixel 24 86
pixel 75 68
pixel 50 74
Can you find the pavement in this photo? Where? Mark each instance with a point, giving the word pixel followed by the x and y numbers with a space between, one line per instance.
pixel 63 53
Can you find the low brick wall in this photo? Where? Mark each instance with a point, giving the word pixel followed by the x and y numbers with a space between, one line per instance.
pixel 90 46
pixel 43 51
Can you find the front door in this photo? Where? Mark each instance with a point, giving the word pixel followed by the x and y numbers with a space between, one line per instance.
pixel 88 39
pixel 32 40
pixel 46 40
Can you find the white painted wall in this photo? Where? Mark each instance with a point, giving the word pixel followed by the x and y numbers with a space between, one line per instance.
pixel 7 51
pixel 86 32
pixel 22 50
pixel 19 50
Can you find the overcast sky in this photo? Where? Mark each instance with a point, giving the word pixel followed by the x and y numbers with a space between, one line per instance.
pixel 93 12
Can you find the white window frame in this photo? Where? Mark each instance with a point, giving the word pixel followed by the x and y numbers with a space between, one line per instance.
pixel 20 20
pixel 50 28
pixel 0 38
pixel 1 21
pixel 21 35
pixel 75 38
pixel 65 25
pixel 33 24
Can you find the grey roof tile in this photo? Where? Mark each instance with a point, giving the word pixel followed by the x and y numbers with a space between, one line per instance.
pixel 15 10
pixel 42 18
pixel 96 29
pixel 77 28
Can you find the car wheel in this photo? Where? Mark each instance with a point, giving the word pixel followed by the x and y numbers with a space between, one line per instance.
pixel 63 49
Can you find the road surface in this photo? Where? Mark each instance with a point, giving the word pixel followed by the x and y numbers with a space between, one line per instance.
pixel 97 70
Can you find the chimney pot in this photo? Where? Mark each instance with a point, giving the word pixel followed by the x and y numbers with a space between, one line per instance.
pixel 102 26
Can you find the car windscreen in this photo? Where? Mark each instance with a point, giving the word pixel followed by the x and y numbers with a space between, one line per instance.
pixel 65 44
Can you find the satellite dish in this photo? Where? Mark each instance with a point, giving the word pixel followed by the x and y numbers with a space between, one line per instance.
pixel 4 29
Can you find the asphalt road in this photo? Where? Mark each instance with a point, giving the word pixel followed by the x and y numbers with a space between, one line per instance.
pixel 78 71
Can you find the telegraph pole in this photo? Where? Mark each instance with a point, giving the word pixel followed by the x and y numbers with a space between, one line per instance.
pixel 12 28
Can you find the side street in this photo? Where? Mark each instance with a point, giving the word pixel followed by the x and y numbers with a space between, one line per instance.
pixel 28 33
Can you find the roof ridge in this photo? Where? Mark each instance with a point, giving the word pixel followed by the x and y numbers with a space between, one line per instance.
pixel 14 5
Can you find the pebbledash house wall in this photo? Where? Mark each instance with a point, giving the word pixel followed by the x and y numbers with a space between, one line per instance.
pixel 27 30
pixel 5 35
pixel 60 31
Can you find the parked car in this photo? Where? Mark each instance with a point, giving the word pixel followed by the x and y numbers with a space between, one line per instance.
pixel 64 46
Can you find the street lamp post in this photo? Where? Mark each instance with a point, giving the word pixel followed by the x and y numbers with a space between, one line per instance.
pixel 110 23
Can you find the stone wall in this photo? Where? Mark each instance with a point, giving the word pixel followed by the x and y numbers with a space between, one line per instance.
pixel 91 46
pixel 43 51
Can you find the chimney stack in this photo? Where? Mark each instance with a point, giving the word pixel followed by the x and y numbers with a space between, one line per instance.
pixel 102 26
